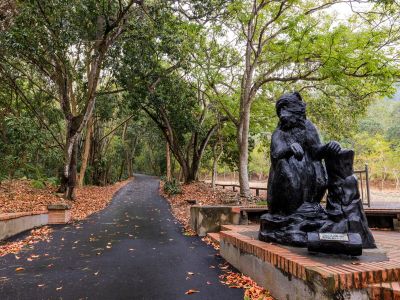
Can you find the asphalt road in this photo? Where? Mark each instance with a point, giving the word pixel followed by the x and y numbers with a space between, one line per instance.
pixel 133 249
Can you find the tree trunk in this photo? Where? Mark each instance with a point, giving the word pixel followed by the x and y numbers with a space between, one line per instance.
pixel 130 155
pixel 214 173
pixel 243 144
pixel 168 158
pixel 193 172
pixel 70 192
pixel 121 169
pixel 68 180
pixel 246 97
pixel 86 152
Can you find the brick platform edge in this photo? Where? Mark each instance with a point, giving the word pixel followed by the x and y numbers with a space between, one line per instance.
pixel 289 275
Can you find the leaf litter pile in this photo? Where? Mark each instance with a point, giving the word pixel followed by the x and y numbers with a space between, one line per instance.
pixel 36 235
pixel 20 196
pixel 240 281
pixel 205 195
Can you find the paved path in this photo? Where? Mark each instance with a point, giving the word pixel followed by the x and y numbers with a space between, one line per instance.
pixel 134 249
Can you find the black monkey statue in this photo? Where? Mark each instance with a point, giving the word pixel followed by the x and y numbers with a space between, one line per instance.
pixel 298 181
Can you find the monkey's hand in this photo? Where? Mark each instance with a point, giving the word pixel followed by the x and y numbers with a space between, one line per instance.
pixel 333 147
pixel 297 150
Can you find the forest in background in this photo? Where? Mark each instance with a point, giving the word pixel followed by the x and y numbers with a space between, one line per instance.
pixel 93 91
pixel 375 139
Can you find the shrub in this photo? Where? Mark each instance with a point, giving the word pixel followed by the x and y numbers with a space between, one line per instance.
pixel 172 187
pixel 53 181
pixel 38 184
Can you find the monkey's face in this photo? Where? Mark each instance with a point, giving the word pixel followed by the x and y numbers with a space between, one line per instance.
pixel 290 117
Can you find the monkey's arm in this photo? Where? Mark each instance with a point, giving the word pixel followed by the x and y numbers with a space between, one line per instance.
pixel 319 150
pixel 279 148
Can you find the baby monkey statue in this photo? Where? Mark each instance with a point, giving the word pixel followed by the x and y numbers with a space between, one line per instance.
pixel 298 181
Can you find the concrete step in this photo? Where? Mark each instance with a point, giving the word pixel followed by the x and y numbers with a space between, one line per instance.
pixel 385 291
pixel 214 236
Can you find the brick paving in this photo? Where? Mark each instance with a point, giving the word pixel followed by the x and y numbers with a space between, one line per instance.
pixel 380 277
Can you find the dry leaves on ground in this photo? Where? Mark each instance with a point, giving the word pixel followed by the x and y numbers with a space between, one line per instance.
pixel 189 292
pixel 240 281
pixel 208 241
pixel 36 235
pixel 91 199
pixel 20 196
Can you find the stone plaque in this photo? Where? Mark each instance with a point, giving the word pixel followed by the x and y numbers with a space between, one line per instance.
pixel 328 236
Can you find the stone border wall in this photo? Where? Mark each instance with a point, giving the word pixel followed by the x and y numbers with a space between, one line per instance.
pixel 14 223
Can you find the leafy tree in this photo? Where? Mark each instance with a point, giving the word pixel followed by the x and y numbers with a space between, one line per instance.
pixel 300 45
pixel 65 45
pixel 154 71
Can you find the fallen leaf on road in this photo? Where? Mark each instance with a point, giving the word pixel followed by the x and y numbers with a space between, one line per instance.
pixel 189 232
pixel 190 273
pixel 36 235
pixel 191 292
pixel 19 269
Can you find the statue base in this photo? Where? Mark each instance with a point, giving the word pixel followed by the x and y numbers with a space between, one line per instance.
pixel 332 243
pixel 309 218
pixel 295 273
